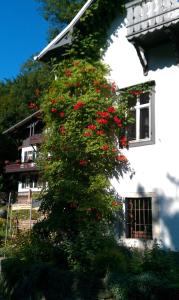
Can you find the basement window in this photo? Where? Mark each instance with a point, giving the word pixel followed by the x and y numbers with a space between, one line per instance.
pixel 139 217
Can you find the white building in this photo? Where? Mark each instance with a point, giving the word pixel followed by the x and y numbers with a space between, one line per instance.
pixel 144 47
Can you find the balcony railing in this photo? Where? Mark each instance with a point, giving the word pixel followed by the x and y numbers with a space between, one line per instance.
pixel 145 16
pixel 32 140
pixel 20 167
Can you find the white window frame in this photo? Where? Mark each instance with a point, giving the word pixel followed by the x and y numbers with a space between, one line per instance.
pixel 137 108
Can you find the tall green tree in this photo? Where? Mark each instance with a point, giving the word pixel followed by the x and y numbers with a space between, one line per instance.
pixel 59 13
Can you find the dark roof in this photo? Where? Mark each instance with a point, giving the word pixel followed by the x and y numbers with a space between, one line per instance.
pixel 24 121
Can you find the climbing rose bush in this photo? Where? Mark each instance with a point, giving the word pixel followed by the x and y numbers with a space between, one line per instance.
pixel 86 122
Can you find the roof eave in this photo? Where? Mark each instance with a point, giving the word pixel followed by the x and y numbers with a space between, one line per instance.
pixel 65 31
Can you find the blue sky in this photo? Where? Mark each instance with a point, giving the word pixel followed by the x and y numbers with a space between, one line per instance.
pixel 23 33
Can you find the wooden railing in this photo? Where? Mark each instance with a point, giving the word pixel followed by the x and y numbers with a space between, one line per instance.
pixel 20 167
pixel 147 15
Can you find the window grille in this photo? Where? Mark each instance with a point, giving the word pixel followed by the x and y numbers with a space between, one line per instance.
pixel 139 218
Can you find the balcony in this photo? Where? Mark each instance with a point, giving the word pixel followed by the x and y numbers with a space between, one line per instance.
pixel 33 140
pixel 151 23
pixel 150 15
pixel 20 167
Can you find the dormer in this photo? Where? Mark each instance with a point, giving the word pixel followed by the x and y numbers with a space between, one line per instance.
pixel 151 23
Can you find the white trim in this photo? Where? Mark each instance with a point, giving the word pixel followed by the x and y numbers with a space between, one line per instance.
pixel 64 31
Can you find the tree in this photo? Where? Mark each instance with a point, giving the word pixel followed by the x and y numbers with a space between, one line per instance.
pixel 59 13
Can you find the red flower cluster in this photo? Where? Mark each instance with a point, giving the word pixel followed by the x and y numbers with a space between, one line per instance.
pixel 136 92
pixel 53 101
pixel 100 132
pixel 123 141
pixel 32 105
pixel 68 73
pixel 61 114
pixel 91 126
pixel 121 157
pixel 62 129
pixel 105 147
pixel 83 162
pixel 78 105
pixel 87 133
pixel 111 109
pixel 116 203
pixel 118 121
pixel 103 114
pixel 53 110
pixel 102 121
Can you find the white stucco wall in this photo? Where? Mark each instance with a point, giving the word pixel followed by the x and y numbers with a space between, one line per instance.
pixel 156 166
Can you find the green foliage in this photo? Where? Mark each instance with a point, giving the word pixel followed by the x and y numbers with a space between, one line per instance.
pixel 90 35
pixel 24 214
pixel 153 274
pixel 59 13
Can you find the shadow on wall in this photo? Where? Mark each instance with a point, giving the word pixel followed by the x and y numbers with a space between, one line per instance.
pixel 113 31
pixel 166 214
pixel 161 56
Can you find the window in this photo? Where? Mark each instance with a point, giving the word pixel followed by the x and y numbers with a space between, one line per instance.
pixel 139 217
pixel 29 156
pixel 30 182
pixel 141 132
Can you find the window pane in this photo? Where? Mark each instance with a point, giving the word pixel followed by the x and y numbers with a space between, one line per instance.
pixel 144 123
pixel 144 98
pixel 132 128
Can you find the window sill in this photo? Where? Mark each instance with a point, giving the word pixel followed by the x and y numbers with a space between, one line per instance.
pixel 139 143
